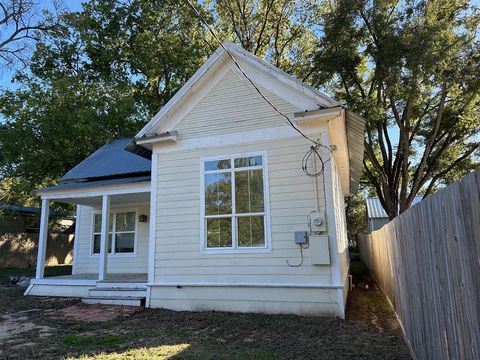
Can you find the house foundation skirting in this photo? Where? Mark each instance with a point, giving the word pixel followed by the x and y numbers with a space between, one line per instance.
pixel 277 299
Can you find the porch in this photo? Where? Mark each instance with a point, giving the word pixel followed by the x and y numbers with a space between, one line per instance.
pixel 115 289
pixel 110 259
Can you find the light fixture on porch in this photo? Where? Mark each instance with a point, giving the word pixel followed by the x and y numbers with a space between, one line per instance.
pixel 142 218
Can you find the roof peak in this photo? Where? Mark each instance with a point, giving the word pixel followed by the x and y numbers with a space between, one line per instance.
pixel 252 61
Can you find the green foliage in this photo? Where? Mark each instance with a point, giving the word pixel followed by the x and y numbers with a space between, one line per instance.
pixel 56 118
pixel 411 69
pixel 156 45
pixel 356 214
pixel 101 76
pixel 283 32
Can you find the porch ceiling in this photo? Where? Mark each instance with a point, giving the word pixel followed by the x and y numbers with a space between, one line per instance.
pixel 115 200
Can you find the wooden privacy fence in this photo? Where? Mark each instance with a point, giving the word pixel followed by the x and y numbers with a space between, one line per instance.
pixel 427 261
pixel 20 250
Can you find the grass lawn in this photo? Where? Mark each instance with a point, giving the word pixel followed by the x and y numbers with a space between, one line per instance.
pixel 369 332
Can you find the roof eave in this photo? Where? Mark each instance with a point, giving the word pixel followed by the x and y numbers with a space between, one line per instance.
pixel 309 92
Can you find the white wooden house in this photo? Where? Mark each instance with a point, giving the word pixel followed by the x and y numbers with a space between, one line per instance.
pixel 207 202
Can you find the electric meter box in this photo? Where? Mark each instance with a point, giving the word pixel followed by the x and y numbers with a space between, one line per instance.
pixel 319 250
pixel 318 222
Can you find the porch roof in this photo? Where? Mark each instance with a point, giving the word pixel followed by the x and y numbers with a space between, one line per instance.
pixel 87 184
pixel 123 191
pixel 111 160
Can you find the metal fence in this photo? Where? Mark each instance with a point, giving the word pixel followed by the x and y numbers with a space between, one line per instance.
pixel 20 250
pixel 427 261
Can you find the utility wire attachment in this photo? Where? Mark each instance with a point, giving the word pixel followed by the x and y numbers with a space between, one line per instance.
pixel 313 153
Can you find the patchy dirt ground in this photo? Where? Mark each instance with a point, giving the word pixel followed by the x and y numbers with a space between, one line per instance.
pixel 37 328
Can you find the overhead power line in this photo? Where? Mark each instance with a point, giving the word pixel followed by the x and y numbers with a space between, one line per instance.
pixel 314 149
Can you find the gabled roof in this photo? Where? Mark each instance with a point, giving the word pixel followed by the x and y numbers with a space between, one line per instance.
pixel 375 209
pixel 312 95
pixel 111 160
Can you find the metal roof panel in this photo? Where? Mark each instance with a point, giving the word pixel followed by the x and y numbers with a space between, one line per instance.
pixel 111 159
pixel 375 209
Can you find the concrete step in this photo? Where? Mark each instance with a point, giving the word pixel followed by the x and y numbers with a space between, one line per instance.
pixel 115 300
pixel 113 285
pixel 108 292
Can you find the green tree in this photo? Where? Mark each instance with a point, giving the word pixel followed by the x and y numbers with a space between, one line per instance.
pixel 411 69
pixel 60 113
pixel 157 45
pixel 356 216
pixel 284 32
pixel 101 75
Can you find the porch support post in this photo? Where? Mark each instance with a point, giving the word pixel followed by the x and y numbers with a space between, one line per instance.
pixel 102 270
pixel 42 239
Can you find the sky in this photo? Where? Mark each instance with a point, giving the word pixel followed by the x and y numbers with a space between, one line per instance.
pixel 72 5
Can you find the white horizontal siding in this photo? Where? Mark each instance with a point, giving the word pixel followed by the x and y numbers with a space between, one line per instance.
pixel 86 263
pixel 232 105
pixel 178 257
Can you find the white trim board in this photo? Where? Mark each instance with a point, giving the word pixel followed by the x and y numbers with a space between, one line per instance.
pixel 141 187
pixel 233 284
pixel 68 282
pixel 331 225
pixel 238 138
pixel 153 222
pixel 76 238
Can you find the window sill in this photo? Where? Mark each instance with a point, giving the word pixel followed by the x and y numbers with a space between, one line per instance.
pixel 235 251
pixel 116 255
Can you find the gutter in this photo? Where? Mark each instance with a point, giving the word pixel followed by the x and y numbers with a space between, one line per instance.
pixel 168 136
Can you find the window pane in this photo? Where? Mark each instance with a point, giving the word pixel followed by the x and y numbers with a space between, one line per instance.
pixel 249 191
pixel 219 232
pixel 218 194
pixel 98 223
pixel 96 243
pixel 248 161
pixel 125 221
pixel 217 165
pixel 124 243
pixel 251 231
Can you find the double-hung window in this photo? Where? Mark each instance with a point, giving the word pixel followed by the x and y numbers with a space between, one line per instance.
pixel 234 215
pixel 121 232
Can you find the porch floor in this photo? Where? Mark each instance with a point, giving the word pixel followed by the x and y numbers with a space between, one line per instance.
pixel 109 278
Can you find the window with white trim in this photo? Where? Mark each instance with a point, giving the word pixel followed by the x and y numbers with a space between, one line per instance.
pixel 234 203
pixel 121 232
